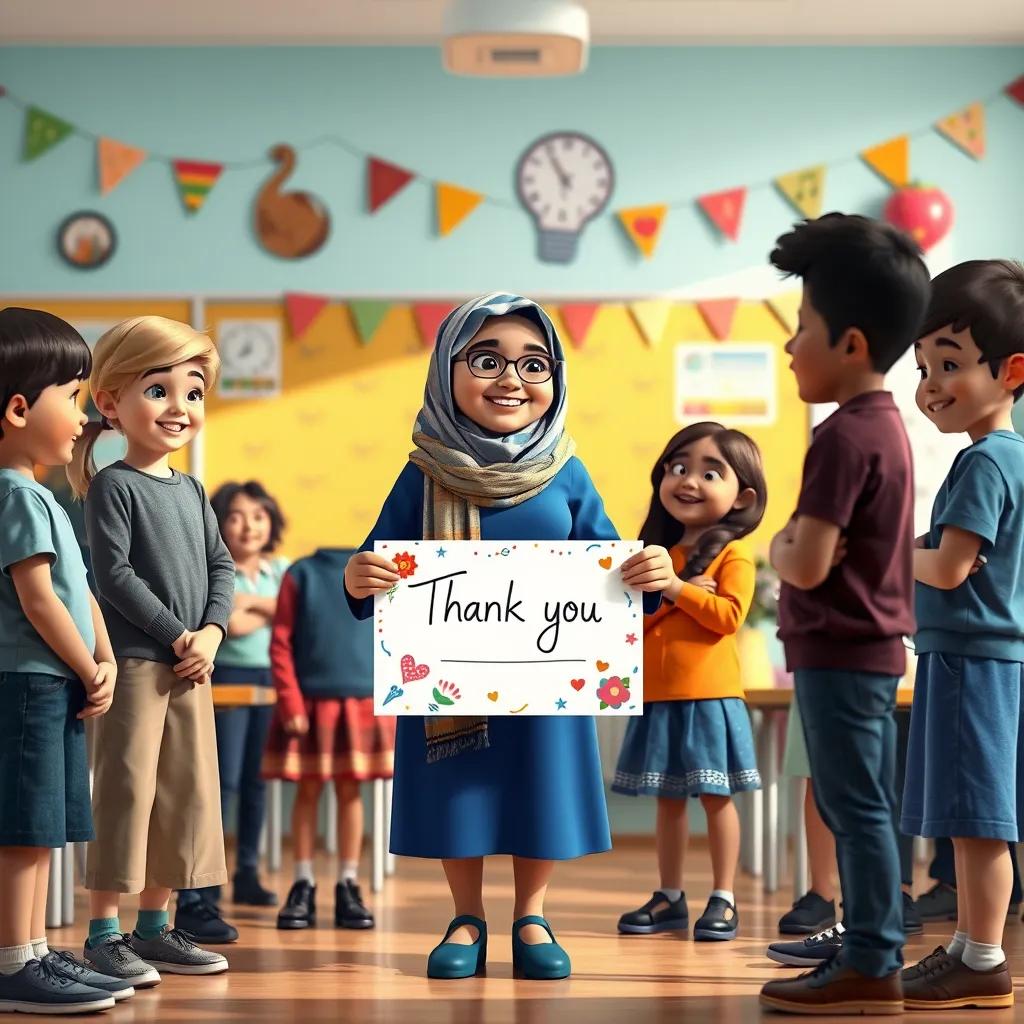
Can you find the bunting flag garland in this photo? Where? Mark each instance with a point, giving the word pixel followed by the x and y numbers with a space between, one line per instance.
pixel 367 315
pixel 196 179
pixel 43 131
pixel 302 310
pixel 385 181
pixel 805 189
pixel 890 160
pixel 651 316
pixel 966 129
pixel 1015 90
pixel 786 308
pixel 428 319
pixel 718 315
pixel 454 205
pixel 115 161
pixel 725 210
pixel 577 318
pixel 643 224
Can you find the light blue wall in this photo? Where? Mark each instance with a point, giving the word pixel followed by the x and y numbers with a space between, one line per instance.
pixel 677 122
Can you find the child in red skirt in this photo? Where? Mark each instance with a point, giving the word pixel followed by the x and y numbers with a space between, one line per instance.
pixel 322 664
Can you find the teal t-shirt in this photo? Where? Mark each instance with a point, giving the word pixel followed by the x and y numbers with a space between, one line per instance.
pixel 253 649
pixel 32 523
pixel 984 494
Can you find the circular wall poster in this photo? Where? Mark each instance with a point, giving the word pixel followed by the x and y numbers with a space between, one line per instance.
pixel 86 240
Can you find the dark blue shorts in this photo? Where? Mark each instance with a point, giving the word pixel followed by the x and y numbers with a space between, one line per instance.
pixel 44 775
pixel 965 769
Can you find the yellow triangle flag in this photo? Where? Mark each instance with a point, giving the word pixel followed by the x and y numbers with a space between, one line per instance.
pixel 454 205
pixel 787 308
pixel 116 161
pixel 643 224
pixel 966 129
pixel 651 316
pixel 891 160
pixel 804 189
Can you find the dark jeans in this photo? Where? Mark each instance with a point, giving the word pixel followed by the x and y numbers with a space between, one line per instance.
pixel 943 867
pixel 851 745
pixel 904 842
pixel 241 737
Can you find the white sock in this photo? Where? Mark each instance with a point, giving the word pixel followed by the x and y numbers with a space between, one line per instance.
pixel 981 957
pixel 726 895
pixel 13 958
pixel 672 895
pixel 39 947
pixel 304 871
pixel 956 948
pixel 348 870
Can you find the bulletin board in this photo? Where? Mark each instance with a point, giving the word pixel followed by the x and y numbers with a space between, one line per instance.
pixel 333 440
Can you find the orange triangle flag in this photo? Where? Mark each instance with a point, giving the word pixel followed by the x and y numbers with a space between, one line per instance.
pixel 966 129
pixel 577 317
pixel 302 310
pixel 804 189
pixel 429 316
pixel 454 205
pixel 651 316
pixel 890 160
pixel 725 210
pixel 643 224
pixel 116 161
pixel 718 315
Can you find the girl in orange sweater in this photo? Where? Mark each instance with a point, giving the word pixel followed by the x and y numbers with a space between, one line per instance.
pixel 694 738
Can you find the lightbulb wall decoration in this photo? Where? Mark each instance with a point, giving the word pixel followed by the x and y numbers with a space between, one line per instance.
pixel 564 180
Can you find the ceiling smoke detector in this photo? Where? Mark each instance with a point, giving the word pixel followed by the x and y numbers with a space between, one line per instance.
pixel 521 38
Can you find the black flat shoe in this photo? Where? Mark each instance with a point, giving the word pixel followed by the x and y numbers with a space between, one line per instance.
pixel 247 890
pixel 349 910
pixel 718 923
pixel 299 910
pixel 646 920
pixel 200 920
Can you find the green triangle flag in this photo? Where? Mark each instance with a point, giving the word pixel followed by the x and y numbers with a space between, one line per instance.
pixel 367 314
pixel 42 131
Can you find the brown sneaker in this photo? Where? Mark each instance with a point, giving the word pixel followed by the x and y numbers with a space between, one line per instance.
pixel 834 988
pixel 941 982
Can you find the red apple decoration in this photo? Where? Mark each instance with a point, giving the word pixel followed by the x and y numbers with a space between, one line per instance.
pixel 923 211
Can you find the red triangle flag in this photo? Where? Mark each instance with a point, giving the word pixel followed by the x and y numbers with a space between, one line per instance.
pixel 302 310
pixel 725 210
pixel 577 317
pixel 1016 90
pixel 428 318
pixel 718 315
pixel 385 180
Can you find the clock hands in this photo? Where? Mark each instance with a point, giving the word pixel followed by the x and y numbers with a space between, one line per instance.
pixel 563 177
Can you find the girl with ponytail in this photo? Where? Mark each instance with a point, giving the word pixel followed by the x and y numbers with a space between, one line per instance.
pixel 694 738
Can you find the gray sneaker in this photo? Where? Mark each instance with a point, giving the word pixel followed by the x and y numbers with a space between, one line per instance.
pixel 175 953
pixel 73 968
pixel 40 988
pixel 115 958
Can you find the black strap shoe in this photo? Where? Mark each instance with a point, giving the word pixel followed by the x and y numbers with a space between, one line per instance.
pixel 299 910
pixel 646 920
pixel 718 923
pixel 349 910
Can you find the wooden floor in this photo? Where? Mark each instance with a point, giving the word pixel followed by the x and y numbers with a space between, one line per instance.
pixel 325 974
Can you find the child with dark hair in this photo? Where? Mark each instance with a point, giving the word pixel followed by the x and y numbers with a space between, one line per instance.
pixel 251 524
pixel 56 663
pixel 846 564
pixel 694 737
pixel 965 770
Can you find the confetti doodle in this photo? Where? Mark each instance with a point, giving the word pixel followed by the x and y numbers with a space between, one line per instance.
pixel 394 693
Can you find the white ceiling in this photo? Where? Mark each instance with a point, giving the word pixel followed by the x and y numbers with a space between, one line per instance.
pixel 403 22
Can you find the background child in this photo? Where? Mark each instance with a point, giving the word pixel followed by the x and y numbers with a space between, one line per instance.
pixel 166 583
pixel 251 524
pixel 325 728
pixel 842 619
pixel 56 665
pixel 965 770
pixel 694 738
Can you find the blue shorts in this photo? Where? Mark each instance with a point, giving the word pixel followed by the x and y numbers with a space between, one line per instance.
pixel 44 774
pixel 965 769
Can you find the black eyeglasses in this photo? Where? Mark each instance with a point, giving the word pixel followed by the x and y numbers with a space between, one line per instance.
pixel 532 369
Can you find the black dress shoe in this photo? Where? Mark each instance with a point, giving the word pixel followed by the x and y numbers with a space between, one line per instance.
pixel 200 920
pixel 349 911
pixel 718 923
pixel 646 920
pixel 249 891
pixel 299 910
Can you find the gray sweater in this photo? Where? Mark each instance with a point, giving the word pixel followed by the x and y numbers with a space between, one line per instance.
pixel 158 560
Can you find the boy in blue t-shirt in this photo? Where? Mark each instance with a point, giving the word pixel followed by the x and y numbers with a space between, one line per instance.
pixel 965 763
pixel 56 664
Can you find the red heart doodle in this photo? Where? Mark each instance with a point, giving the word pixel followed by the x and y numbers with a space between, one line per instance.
pixel 411 671
pixel 577 684
pixel 645 226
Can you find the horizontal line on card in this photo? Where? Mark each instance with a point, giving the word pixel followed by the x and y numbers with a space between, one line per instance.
pixel 504 661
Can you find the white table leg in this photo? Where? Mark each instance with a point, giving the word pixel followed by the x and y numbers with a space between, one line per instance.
pixel 770 782
pixel 55 890
pixel 274 814
pixel 756 859
pixel 800 882
pixel 378 835
pixel 331 816
pixel 389 857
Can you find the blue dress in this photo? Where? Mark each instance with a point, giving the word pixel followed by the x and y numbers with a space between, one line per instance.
pixel 537 790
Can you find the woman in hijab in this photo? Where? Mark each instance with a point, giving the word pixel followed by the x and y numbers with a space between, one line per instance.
pixel 492 461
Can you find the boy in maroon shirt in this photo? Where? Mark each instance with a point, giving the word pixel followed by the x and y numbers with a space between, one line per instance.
pixel 846 564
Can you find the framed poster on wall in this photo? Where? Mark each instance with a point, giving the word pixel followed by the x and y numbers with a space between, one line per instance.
pixel 732 383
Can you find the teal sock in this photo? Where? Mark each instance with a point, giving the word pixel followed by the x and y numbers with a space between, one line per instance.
pixel 101 929
pixel 151 923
